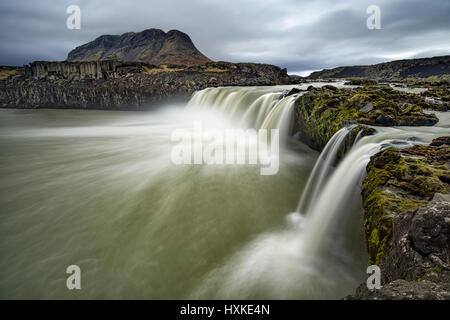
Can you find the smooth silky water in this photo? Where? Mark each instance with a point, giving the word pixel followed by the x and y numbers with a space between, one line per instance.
pixel 98 189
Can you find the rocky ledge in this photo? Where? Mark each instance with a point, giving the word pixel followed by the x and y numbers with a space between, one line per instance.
pixel 406 199
pixel 118 85
pixel 405 192
pixel 321 112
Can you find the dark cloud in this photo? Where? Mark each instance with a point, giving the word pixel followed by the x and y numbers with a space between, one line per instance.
pixel 299 35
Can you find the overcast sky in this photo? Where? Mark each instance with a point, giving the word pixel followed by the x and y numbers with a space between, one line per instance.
pixel 300 35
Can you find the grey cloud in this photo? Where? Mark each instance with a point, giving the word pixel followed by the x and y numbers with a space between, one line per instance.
pixel 299 35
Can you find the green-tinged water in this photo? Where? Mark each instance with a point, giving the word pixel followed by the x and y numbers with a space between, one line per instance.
pixel 97 189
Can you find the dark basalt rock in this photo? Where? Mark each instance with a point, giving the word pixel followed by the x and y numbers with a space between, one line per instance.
pixel 321 112
pixel 407 221
pixel 417 266
pixel 440 141
pixel 292 92
pixel 118 85
pixel 429 231
pixel 360 82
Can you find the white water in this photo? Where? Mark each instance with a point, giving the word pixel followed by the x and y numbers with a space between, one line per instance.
pixel 318 253
pixel 330 206
pixel 248 107
pixel 253 107
pixel 98 189
pixel 321 170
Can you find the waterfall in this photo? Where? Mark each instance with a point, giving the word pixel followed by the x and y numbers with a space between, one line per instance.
pixel 327 197
pixel 250 107
pixel 258 110
pixel 322 169
pixel 320 251
pixel 264 107
pixel 188 231
pixel 326 213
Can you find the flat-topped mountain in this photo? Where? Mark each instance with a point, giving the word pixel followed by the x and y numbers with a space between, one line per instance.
pixel 399 69
pixel 152 46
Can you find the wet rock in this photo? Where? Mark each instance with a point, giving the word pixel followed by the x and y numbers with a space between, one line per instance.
pixel 293 91
pixel 399 181
pixel 407 222
pixel 440 141
pixel 429 231
pixel 330 87
pixel 437 95
pixel 360 82
pixel 417 266
pixel 321 112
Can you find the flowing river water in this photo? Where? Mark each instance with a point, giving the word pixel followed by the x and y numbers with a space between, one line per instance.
pixel 98 189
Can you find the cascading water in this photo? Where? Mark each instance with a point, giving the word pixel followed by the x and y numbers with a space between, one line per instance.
pixel 328 210
pixel 305 260
pixel 321 170
pixel 258 108
pixel 98 189
pixel 321 252
pixel 252 107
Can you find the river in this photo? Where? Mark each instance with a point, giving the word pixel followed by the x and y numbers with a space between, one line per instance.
pixel 99 189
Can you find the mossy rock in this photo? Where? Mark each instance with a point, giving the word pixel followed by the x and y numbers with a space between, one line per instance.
pixel 321 112
pixel 398 182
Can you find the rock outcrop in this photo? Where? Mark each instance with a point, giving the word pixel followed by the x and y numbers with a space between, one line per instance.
pixel 320 113
pixel 394 70
pixel 406 199
pixel 152 46
pixel 109 69
pixel 440 141
pixel 398 183
pixel 124 86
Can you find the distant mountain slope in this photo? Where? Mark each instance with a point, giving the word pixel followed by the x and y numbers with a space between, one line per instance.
pixel 400 69
pixel 152 46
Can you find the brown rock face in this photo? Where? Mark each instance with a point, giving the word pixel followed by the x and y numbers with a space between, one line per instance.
pixel 152 46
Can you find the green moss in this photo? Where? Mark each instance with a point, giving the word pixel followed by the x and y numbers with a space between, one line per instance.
pixel 398 182
pixel 437 269
pixel 322 112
